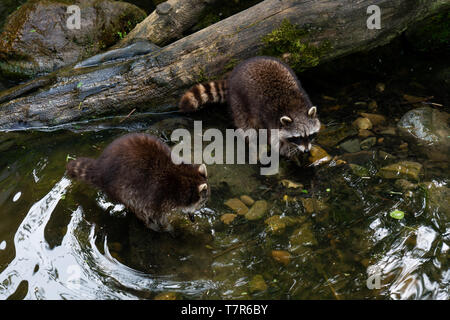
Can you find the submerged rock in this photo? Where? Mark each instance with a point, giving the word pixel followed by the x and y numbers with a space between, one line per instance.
pixel 257 211
pixel 358 170
pixel 281 256
pixel 301 239
pixel 405 185
pixel 237 206
pixel 437 199
pixel 401 170
pixel 368 143
pixel 228 218
pixel 36 39
pixel 277 224
pixel 375 119
pixel 429 131
pixel 352 145
pixel 318 155
pixel 166 296
pixel 247 200
pixel 362 123
pixel 312 205
pixel 257 284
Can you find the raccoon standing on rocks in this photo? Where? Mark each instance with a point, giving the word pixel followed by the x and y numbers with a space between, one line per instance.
pixel 262 93
pixel 137 170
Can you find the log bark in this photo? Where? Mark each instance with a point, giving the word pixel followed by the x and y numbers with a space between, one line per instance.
pixel 167 22
pixel 158 78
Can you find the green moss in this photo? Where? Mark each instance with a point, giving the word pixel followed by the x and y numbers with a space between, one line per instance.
pixel 293 41
pixel 431 34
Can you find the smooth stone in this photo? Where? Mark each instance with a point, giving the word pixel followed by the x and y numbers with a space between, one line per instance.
pixel 351 146
pixel 281 256
pixel 257 284
pixel 362 123
pixel 311 205
pixel 237 206
pixel 257 211
pixel 428 131
pixel 360 171
pixel 227 218
pixel 247 200
pixel 318 155
pixel 364 133
pixel 368 143
pixel 375 119
pixel 401 170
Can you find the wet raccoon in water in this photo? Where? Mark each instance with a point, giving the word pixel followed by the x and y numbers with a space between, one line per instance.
pixel 137 170
pixel 262 93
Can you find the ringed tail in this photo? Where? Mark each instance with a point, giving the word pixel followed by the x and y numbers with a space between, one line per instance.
pixel 82 169
pixel 203 93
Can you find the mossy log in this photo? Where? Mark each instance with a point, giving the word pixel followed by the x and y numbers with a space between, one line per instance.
pixel 146 80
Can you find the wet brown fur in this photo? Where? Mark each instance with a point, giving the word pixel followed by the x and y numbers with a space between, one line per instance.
pixel 259 92
pixel 137 170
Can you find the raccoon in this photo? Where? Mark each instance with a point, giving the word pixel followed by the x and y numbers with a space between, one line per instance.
pixel 137 170
pixel 262 93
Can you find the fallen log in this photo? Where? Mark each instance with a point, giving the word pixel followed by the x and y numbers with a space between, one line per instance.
pixel 167 22
pixel 149 80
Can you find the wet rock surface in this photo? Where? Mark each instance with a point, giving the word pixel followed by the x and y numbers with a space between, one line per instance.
pixel 403 169
pixel 36 39
pixel 428 129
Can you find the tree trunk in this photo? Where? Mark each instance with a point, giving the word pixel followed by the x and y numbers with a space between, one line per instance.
pixel 158 78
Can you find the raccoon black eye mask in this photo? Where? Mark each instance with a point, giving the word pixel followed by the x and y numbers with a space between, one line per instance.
pixel 262 93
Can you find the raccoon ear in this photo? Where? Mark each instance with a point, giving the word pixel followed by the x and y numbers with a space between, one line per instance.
pixel 202 187
pixel 285 120
pixel 202 170
pixel 312 112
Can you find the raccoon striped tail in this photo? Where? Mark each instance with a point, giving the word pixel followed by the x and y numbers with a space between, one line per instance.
pixel 203 93
pixel 82 169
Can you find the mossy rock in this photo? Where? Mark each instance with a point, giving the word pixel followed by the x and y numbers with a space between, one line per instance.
pixel 35 39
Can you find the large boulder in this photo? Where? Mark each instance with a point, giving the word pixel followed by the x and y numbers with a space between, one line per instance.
pixel 36 39
pixel 429 130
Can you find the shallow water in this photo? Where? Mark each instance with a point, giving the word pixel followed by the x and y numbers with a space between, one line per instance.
pixel 61 239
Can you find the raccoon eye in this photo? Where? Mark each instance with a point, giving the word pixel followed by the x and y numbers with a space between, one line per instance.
pixel 313 136
pixel 295 140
